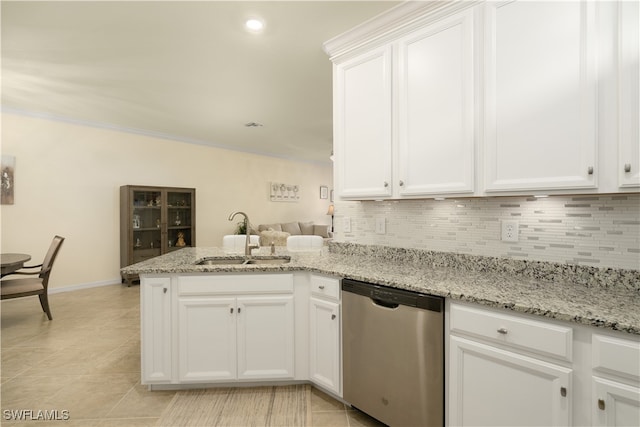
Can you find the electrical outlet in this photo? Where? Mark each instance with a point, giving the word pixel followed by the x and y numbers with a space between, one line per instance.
pixel 510 230
pixel 381 227
pixel 346 224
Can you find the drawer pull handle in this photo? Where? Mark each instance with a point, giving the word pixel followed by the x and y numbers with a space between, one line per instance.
pixel 590 170
pixel 164 290
pixel 502 331
pixel 231 310
pixel 321 287
pixel 239 310
pixel 627 167
pixel 601 404
pixel 563 391
pixel 333 317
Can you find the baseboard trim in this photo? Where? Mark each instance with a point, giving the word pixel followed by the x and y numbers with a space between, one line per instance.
pixel 89 285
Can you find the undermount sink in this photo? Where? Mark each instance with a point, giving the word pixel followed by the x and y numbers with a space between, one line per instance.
pixel 244 261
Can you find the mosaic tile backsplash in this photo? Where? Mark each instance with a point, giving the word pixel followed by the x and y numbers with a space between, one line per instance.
pixel 600 231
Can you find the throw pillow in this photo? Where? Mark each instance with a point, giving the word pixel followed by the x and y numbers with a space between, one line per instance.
pixel 306 228
pixel 292 228
pixel 265 227
pixel 321 230
pixel 278 238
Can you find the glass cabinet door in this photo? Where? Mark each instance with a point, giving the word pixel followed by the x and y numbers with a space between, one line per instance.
pixel 147 224
pixel 179 214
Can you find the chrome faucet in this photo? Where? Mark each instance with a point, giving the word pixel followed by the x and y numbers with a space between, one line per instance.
pixel 247 246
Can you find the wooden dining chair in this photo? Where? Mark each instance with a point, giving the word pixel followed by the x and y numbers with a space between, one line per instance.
pixel 17 288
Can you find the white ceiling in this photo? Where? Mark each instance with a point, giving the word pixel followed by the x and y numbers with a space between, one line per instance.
pixel 182 70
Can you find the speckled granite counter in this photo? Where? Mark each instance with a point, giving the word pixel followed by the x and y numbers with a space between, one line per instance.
pixel 597 297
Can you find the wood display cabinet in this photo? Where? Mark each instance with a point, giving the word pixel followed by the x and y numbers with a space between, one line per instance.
pixel 154 221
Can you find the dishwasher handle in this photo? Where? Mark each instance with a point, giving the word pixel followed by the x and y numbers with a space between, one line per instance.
pixel 386 304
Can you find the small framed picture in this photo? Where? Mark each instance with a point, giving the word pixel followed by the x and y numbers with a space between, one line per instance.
pixel 324 192
pixel 331 196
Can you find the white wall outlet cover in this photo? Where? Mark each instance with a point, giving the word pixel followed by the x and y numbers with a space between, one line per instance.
pixel 346 224
pixel 381 226
pixel 509 230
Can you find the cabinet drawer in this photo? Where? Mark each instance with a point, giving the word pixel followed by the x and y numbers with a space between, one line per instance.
pixel 535 336
pixel 328 287
pixel 616 356
pixel 235 283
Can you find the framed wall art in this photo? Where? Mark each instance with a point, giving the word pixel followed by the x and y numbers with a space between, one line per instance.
pixel 8 171
pixel 324 192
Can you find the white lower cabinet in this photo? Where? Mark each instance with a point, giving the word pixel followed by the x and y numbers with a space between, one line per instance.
pixel 491 386
pixel 229 338
pixel 615 403
pixel 325 334
pixel 155 330
pixel 225 328
pixel 615 399
pixel 207 339
pixel 265 337
pixel 513 369
pixel 507 371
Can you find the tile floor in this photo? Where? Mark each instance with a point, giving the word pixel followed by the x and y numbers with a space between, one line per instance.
pixel 87 362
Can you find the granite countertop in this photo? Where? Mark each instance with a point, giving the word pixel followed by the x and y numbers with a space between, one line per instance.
pixel 595 297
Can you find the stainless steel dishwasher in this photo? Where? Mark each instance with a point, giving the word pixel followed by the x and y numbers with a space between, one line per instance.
pixel 393 354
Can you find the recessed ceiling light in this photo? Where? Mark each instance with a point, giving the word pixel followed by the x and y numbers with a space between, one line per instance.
pixel 254 25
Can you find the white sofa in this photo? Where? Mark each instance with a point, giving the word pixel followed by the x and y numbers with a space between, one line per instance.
pixel 304 243
pixel 234 243
pixel 279 232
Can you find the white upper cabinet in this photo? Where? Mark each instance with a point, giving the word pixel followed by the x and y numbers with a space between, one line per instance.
pixel 404 122
pixel 628 92
pixel 362 117
pixel 435 108
pixel 540 91
pixel 449 99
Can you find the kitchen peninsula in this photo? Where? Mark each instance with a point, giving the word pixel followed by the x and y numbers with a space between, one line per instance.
pixel 568 335
pixel 606 298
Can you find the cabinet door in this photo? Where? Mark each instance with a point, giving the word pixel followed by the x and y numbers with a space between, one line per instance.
pixel 435 106
pixel 265 337
pixel 615 404
pixel 490 386
pixel 155 315
pixel 324 349
pixel 207 339
pixel 146 231
pixel 362 124
pixel 540 88
pixel 629 93
pixel 180 219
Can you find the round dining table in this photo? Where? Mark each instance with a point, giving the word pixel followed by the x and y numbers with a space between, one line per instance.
pixel 12 262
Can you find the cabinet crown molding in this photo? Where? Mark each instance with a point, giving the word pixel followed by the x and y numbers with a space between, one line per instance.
pixel 392 24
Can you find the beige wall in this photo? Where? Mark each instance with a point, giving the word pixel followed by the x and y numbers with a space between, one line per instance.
pixel 68 178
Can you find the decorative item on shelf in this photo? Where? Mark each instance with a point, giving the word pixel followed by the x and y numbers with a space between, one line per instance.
pixel 136 221
pixel 330 212
pixel 180 242
pixel 279 192
pixel 158 223
pixel 177 220
pixel 138 243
